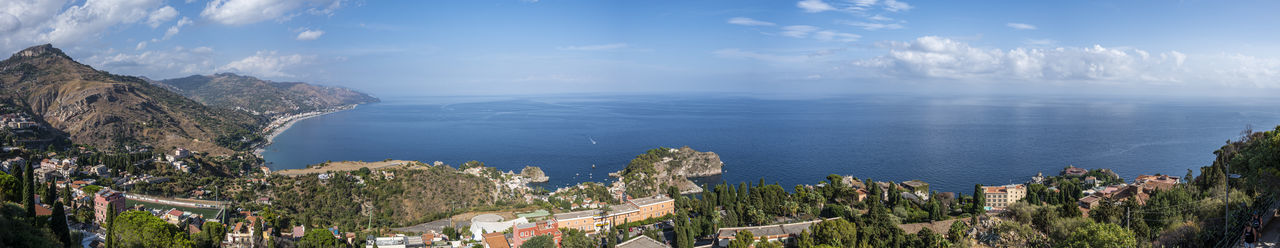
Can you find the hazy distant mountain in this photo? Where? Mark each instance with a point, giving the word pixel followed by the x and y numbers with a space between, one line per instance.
pixel 262 96
pixel 98 108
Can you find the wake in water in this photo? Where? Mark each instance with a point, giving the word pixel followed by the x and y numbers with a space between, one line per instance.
pixel 593 141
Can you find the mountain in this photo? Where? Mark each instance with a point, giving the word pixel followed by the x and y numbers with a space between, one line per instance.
pixel 655 170
pixel 261 96
pixel 102 109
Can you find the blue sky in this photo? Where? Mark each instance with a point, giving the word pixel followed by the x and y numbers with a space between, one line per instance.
pixel 807 48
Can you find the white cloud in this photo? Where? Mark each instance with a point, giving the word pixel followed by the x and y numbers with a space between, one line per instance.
pixel 874 26
pixel 749 22
pixel 942 58
pixel 266 64
pixel 734 53
pixel 163 63
pixel 1021 26
pixel 814 6
pixel 879 18
pixel 806 31
pixel 140 46
pixel 66 23
pixel 162 15
pixel 603 47
pixel 176 27
pixel 95 17
pixel 798 31
pixel 241 12
pixel 309 34
pixel 896 6
pixel 828 35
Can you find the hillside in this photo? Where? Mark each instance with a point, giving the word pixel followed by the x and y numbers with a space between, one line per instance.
pixel 659 168
pixel 106 110
pixel 261 96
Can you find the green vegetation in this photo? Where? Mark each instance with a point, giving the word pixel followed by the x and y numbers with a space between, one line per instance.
pixel 319 238
pixel 141 229
pixel 540 241
pixel 414 195
pixel 21 231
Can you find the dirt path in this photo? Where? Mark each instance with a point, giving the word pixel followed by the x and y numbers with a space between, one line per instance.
pixel 939 227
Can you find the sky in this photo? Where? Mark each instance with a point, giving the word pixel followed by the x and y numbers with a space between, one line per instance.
pixel 802 48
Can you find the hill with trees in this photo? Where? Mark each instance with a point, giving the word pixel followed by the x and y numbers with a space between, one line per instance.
pixel 264 97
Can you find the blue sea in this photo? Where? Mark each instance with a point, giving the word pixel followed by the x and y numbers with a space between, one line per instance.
pixel 949 142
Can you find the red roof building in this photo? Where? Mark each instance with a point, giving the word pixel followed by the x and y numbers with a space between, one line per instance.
pixel 526 231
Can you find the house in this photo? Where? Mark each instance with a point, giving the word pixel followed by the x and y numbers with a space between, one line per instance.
pixel 103 202
pixel 781 233
pixel 642 242
pixel 999 197
pixel 1072 170
pixel 1089 202
pixel 916 186
pixel 240 236
pixel 495 240
pixel 1091 181
pixel 524 232
pixel 861 194
pixel 173 216
pixel 11 163
pixel 178 154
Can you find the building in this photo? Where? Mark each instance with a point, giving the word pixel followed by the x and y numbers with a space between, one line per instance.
pixel 495 240
pixel 102 202
pixel 178 154
pixel 642 242
pixel 398 241
pixel 173 216
pixel 241 235
pixel 526 231
pixel 633 210
pixel 916 186
pixel 1072 170
pixel 781 233
pixel 999 197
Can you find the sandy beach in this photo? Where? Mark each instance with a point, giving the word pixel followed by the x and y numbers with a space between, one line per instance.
pixel 279 125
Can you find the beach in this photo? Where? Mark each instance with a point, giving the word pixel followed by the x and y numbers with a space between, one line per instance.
pixel 279 125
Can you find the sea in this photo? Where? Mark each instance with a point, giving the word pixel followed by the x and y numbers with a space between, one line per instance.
pixel 951 142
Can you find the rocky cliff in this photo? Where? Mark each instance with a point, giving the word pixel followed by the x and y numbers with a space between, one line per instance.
pixel 101 109
pixel 534 174
pixel 261 96
pixel 656 170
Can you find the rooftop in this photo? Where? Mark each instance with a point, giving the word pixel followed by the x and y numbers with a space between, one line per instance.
pixel 642 242
pixel 576 215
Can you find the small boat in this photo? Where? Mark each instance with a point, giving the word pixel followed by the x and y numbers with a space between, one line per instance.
pixel 593 166
pixel 593 141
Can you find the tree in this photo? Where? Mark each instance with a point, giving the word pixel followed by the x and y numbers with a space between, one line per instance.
pixel 10 187
pixel 111 225
pixel 1101 235
pixel 17 231
pixel 979 200
pixel 59 225
pixel 574 238
pixel 141 229
pixel 837 232
pixel 1070 210
pixel 959 231
pixel 50 194
pixel 29 192
pixel 742 239
pixel 612 238
pixel 211 235
pixel 540 241
pixel 318 238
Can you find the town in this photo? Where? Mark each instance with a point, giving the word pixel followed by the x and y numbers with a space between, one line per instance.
pixel 92 198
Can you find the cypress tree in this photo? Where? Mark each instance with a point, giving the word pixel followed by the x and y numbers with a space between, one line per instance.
pixel 59 225
pixel 29 192
pixel 50 194
pixel 111 223
pixel 21 176
pixel 979 200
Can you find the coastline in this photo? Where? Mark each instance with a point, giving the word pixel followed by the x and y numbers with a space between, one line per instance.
pixel 279 125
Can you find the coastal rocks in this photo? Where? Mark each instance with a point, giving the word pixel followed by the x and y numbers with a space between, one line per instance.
pixel 656 170
pixel 534 174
